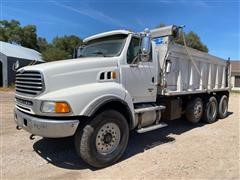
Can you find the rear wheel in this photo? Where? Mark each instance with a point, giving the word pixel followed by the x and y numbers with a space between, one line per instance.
pixel 194 110
pixel 210 110
pixel 223 107
pixel 103 140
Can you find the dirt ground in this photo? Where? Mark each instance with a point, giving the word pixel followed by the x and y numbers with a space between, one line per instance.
pixel 179 151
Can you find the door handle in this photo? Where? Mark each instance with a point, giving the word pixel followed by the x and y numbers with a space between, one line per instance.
pixel 150 89
pixel 134 65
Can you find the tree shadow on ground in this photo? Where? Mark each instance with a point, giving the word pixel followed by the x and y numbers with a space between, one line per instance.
pixel 61 153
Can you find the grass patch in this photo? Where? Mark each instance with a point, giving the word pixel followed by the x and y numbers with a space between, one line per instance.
pixel 10 88
pixel 6 89
pixel 234 93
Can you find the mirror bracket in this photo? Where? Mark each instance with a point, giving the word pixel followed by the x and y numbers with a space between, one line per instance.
pixel 144 57
pixel 168 65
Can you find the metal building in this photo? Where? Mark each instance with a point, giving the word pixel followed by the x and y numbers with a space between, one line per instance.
pixel 12 57
pixel 235 75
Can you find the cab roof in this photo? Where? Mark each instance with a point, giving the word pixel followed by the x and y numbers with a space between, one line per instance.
pixel 109 33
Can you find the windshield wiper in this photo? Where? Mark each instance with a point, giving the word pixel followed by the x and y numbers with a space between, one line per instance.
pixel 100 53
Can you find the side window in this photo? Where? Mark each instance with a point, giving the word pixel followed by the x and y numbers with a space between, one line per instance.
pixel 133 49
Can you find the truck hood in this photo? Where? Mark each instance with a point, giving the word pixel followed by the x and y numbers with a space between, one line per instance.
pixel 73 72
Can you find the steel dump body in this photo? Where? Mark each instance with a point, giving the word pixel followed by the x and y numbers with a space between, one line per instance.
pixel 201 73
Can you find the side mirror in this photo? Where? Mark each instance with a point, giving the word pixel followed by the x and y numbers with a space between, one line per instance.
pixel 15 66
pixel 146 43
pixel 74 56
pixel 168 66
pixel 77 52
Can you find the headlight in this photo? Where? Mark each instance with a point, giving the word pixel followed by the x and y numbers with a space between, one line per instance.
pixel 55 107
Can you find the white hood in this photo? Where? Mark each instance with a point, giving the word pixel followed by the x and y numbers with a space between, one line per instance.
pixel 73 72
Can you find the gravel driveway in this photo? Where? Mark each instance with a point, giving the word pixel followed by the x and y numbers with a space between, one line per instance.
pixel 179 151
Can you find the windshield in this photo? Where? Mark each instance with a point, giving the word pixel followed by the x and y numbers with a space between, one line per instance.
pixel 106 47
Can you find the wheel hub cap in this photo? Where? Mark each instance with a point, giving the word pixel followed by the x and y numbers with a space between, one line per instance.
pixel 198 110
pixel 108 138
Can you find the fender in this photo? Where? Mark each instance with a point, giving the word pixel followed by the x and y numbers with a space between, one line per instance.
pixel 99 102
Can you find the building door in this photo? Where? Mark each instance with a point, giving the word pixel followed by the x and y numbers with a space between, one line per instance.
pixel 1 74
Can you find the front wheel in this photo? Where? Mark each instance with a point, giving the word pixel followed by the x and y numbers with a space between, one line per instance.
pixel 103 140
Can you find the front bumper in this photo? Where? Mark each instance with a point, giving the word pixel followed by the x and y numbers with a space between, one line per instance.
pixel 51 128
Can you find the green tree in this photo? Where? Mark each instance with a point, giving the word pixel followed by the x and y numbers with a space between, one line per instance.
pixel 42 44
pixel 29 37
pixel 12 32
pixel 67 43
pixel 60 48
pixel 53 53
pixel 192 40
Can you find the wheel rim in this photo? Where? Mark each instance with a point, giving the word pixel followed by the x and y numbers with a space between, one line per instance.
pixel 198 110
pixel 224 106
pixel 108 138
pixel 212 110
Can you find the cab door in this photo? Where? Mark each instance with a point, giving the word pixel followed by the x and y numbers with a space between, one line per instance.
pixel 139 76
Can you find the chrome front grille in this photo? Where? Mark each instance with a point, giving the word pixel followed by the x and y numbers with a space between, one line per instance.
pixel 29 82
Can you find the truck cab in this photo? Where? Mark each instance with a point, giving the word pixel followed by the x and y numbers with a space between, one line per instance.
pixel 116 83
pixel 139 81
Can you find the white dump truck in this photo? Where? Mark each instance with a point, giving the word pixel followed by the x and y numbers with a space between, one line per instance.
pixel 120 81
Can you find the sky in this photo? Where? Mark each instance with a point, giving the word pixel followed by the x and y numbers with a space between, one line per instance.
pixel 215 21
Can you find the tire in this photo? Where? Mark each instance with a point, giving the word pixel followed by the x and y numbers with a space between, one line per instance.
pixel 194 110
pixel 103 140
pixel 210 110
pixel 223 107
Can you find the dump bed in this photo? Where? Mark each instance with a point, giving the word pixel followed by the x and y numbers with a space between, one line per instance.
pixel 201 73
